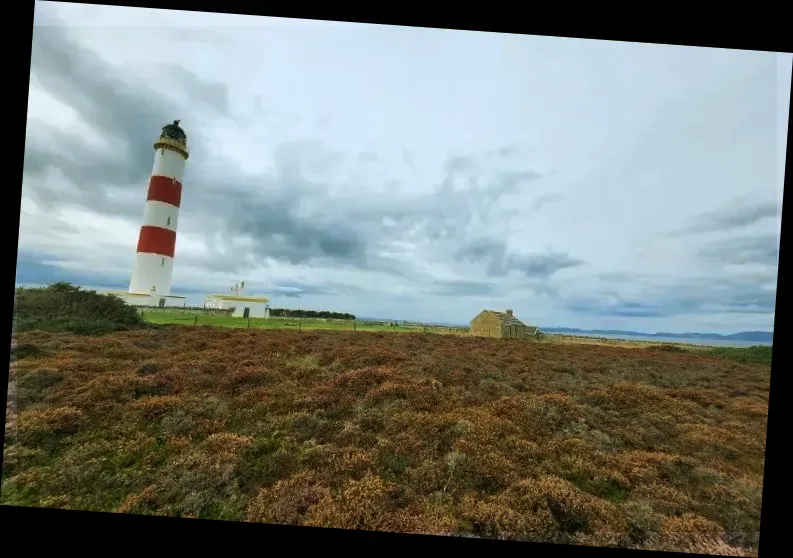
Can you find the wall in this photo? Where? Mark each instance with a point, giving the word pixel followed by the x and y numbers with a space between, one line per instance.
pixel 517 332
pixel 170 302
pixel 256 308
pixel 486 325
pixel 513 332
pixel 189 311
pixel 133 300
pixel 150 300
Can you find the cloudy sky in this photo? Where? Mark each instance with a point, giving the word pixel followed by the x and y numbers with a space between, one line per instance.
pixel 412 173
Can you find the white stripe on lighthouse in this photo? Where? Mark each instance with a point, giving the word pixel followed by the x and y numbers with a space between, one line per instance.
pixel 160 214
pixel 168 163
pixel 151 270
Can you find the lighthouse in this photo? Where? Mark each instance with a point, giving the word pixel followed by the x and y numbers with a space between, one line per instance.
pixel 150 283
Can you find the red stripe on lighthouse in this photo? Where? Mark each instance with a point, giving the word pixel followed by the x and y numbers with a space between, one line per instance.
pixel 165 189
pixel 156 240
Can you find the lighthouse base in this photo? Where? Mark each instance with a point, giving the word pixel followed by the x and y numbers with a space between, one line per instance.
pixel 151 300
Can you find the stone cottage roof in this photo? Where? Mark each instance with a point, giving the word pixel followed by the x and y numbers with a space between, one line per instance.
pixel 510 320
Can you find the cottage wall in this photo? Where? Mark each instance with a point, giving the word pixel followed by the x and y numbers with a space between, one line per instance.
pixel 486 325
pixel 514 332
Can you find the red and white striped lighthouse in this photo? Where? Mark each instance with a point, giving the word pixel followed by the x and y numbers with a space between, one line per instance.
pixel 153 269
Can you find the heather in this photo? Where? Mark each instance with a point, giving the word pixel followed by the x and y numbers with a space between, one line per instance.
pixel 555 442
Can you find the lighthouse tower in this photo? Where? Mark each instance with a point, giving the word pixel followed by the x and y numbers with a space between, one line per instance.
pixel 150 283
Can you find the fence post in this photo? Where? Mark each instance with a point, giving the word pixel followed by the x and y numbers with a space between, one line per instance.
pixel 195 321
pixel 249 323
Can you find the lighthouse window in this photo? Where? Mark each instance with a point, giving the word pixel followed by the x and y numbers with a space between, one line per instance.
pixel 168 221
pixel 162 262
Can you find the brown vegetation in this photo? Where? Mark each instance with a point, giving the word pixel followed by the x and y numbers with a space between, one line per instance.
pixel 435 434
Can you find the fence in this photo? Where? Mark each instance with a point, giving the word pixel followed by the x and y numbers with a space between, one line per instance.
pixel 185 310
pixel 197 317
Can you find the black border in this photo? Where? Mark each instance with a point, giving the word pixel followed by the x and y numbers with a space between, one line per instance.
pixel 122 532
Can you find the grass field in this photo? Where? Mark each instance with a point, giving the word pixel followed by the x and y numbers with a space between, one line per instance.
pixel 561 442
pixel 287 323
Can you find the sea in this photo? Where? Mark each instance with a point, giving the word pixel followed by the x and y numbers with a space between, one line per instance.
pixel 646 339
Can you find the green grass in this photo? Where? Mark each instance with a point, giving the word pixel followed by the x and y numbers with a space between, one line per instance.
pixel 279 323
pixel 758 354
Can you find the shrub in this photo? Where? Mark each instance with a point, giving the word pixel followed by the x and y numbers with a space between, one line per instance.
pixel 644 523
pixel 33 386
pixel 361 504
pixel 35 426
pixel 27 350
pixel 290 313
pixel 288 501
pixel 62 307
pixel 393 432
pixel 667 348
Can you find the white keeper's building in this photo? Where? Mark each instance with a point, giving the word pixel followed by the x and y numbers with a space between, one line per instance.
pixel 243 306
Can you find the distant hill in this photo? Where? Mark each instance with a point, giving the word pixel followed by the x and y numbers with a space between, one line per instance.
pixel 759 336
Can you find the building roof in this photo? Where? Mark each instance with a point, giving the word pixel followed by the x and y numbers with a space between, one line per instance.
pixel 240 298
pixel 508 320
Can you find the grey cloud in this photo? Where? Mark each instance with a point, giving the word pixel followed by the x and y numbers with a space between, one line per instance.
pixel 460 288
pixel 612 306
pixel 503 152
pixel 544 199
pixel 760 249
pixel 294 289
pixel 462 196
pixel 740 213
pixel 272 221
pixel 227 205
pixel 459 165
pixel 212 94
pixel 499 262
pixel 128 115
pixel 298 289
pixel 543 265
pixel 740 294
pixel 124 115
pixel 511 180
pixel 485 250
